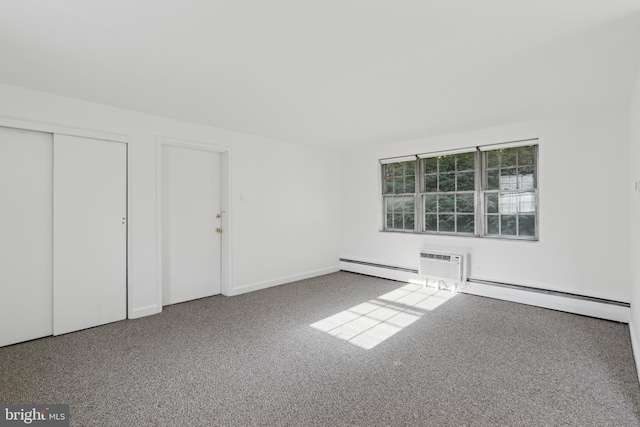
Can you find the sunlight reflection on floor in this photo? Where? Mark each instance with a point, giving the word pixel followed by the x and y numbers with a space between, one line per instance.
pixel 368 324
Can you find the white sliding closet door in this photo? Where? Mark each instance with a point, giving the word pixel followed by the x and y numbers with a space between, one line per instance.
pixel 89 232
pixel 25 235
pixel 191 208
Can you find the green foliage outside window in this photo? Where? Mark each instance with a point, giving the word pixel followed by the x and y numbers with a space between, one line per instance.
pixel 481 193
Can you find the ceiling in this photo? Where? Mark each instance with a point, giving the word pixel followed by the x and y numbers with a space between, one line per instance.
pixel 334 73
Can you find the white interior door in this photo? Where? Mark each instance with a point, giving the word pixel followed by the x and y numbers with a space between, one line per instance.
pixel 89 232
pixel 25 235
pixel 191 248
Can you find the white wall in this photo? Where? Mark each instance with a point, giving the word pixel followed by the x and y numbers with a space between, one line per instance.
pixel 286 227
pixel 634 176
pixel 583 208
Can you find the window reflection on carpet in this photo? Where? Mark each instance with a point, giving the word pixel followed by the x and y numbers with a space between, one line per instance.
pixel 368 324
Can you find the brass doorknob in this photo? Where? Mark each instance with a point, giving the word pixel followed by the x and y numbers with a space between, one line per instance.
pixel 218 230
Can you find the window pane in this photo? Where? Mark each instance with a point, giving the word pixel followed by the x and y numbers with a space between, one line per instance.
pixel 430 203
pixel 431 165
pixel 431 222
pixel 447 163
pixel 493 159
pixel 397 221
pixel 491 203
pixel 399 178
pixel 466 181
pixel 388 170
pixel 431 183
pixel 526 202
pixel 508 203
pixel 397 204
pixel 408 221
pixel 508 157
pixel 410 184
pixel 388 189
pixel 493 179
pixel 409 168
pixel 446 223
pixel 493 224
pixel 525 178
pixel 508 225
pixel 508 179
pixel 388 204
pixel 465 223
pixel 465 203
pixel 527 225
pixel 398 185
pixel 466 161
pixel 526 155
pixel 408 204
pixel 399 213
pixel 446 203
pixel 447 182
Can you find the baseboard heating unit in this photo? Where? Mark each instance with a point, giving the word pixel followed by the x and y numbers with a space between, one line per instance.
pixel 571 303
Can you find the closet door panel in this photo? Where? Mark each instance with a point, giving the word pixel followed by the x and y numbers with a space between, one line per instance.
pixel 25 235
pixel 89 232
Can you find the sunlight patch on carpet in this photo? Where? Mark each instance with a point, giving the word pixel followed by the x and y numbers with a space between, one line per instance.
pixel 368 324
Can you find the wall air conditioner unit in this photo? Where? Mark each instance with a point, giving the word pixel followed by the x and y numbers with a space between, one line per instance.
pixel 443 267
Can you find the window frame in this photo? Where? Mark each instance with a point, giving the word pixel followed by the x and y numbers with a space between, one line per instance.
pixel 440 193
pixel 480 192
pixel 385 196
pixel 484 190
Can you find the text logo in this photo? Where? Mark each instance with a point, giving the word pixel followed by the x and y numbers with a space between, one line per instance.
pixel 34 415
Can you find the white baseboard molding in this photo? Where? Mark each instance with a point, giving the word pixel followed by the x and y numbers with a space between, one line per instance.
pixel 576 304
pixel 144 311
pixel 281 281
pixel 401 274
pixel 634 346
pixel 586 307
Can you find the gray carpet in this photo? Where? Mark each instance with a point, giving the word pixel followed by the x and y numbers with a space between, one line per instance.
pixel 254 360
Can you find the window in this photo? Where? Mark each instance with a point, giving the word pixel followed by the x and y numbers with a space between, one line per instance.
pixel 509 192
pixel 448 193
pixel 487 192
pixel 398 189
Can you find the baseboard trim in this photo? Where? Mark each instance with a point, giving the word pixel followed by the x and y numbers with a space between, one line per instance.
pixel 373 264
pixel 144 311
pixel 282 280
pixel 392 272
pixel 550 292
pixel 570 303
pixel 602 309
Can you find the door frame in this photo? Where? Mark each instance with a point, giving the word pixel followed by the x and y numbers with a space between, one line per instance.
pixel 225 185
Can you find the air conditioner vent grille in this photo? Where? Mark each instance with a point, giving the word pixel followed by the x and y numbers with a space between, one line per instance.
pixel 443 266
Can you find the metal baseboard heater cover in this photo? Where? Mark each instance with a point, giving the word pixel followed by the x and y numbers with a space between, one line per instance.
pixel 445 266
pixel 498 284
pixel 376 265
pixel 617 311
